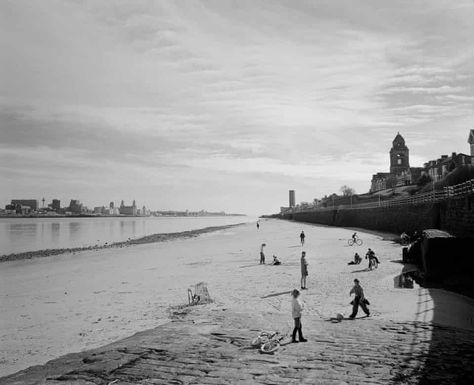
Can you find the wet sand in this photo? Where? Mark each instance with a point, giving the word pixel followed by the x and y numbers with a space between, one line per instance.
pixel 58 305
pixel 162 237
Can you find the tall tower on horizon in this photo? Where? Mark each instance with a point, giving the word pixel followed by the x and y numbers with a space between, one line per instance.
pixel 399 156
pixel 292 198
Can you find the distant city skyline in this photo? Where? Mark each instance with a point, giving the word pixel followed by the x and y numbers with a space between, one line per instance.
pixel 56 204
pixel 222 105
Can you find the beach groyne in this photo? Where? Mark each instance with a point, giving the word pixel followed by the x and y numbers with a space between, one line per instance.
pixel 455 216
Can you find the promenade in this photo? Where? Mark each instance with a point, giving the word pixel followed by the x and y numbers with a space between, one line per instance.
pixel 414 336
pixel 211 346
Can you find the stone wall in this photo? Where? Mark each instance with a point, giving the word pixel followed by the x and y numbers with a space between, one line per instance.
pixel 455 216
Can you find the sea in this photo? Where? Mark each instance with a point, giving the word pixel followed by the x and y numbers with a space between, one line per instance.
pixel 30 234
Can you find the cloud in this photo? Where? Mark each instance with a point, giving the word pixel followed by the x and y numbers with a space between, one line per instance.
pixel 224 94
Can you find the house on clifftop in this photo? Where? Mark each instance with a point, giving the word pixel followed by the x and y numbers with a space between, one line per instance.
pixel 402 174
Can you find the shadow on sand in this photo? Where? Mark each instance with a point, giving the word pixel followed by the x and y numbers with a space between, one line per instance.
pixel 444 355
pixel 276 294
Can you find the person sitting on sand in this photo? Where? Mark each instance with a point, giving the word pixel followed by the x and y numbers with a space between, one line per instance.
pixel 373 260
pixel 262 256
pixel 297 307
pixel 276 261
pixel 357 259
pixel 359 300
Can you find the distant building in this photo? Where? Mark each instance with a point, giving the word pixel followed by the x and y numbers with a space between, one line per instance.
pixel 111 205
pixel 402 174
pixel 128 210
pixel 31 203
pixel 400 171
pixel 470 140
pixel 292 198
pixel 18 208
pixel 437 169
pixel 75 207
pixel 56 205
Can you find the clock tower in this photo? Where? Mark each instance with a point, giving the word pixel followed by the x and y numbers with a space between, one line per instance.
pixel 399 157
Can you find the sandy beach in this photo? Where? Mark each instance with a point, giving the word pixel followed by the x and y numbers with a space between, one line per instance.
pixel 70 303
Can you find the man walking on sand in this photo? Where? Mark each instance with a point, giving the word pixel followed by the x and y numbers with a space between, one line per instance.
pixel 302 236
pixel 262 256
pixel 359 300
pixel 304 270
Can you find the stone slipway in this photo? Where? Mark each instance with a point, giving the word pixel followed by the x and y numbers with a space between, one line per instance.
pixel 210 345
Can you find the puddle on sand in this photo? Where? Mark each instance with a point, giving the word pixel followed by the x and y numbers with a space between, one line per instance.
pixel 404 281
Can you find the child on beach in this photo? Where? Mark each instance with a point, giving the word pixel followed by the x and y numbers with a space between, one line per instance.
pixel 262 256
pixel 302 237
pixel 356 261
pixel 304 270
pixel 276 261
pixel 373 260
pixel 297 307
pixel 359 300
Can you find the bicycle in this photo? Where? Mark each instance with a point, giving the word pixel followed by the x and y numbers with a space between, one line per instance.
pixel 357 241
pixel 269 342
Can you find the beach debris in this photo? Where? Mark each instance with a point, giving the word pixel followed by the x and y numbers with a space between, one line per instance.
pixel 200 295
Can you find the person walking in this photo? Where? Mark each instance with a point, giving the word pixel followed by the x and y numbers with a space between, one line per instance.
pixel 302 237
pixel 359 300
pixel 258 225
pixel 297 307
pixel 304 270
pixel 262 255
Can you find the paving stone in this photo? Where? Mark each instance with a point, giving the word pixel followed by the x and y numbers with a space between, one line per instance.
pixel 392 353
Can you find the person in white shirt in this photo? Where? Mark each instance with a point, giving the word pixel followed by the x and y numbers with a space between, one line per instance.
pixel 297 307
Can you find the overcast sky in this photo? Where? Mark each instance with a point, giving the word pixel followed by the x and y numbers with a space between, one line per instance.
pixel 226 105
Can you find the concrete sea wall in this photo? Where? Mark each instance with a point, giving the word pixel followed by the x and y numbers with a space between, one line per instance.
pixel 455 216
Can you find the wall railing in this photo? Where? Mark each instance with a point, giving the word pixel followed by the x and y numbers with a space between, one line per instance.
pixel 455 191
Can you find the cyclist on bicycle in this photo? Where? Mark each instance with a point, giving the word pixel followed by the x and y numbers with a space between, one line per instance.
pixel 354 237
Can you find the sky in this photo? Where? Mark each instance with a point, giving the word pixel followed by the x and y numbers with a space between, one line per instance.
pixel 226 105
